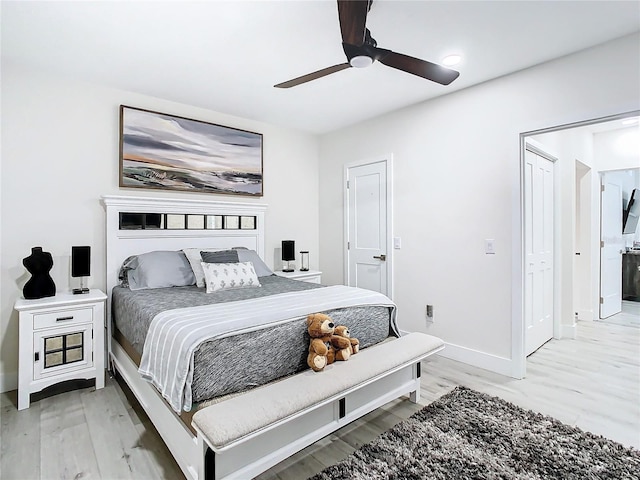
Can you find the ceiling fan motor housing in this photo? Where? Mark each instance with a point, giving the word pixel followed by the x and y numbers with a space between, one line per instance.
pixel 358 56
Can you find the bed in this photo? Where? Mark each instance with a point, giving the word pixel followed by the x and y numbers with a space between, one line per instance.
pixel 222 365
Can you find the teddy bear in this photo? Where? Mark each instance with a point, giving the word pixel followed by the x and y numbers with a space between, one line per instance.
pixel 323 344
pixel 342 331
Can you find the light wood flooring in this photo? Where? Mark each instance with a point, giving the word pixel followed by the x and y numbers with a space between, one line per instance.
pixel 592 382
pixel 630 315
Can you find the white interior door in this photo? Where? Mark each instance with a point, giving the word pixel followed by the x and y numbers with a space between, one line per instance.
pixel 584 244
pixel 538 244
pixel 368 264
pixel 611 246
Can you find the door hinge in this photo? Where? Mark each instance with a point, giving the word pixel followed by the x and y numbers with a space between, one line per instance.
pixel 601 300
pixel 36 356
pixel 602 187
pixel 601 243
pixel 347 184
pixel 348 245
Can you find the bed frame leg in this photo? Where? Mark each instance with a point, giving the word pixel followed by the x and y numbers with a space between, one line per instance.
pixel 415 395
pixel 206 461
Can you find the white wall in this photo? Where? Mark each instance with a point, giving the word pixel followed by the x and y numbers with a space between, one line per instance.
pixel 617 149
pixel 457 182
pixel 60 154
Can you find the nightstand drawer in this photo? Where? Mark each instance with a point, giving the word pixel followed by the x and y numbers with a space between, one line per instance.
pixel 62 318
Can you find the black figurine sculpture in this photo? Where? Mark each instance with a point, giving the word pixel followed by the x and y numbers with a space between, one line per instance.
pixel 40 285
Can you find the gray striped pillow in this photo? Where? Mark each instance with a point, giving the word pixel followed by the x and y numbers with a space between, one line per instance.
pixel 221 256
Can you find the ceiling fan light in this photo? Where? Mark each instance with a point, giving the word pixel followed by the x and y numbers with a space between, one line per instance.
pixel 361 61
pixel 451 60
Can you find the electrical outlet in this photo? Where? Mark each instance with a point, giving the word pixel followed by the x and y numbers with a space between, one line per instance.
pixel 429 313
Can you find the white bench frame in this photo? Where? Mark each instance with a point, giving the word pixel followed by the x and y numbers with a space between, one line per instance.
pixel 252 454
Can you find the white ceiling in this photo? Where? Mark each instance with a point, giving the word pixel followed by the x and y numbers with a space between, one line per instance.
pixel 227 55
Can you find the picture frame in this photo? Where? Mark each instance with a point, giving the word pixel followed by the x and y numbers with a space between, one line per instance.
pixel 168 152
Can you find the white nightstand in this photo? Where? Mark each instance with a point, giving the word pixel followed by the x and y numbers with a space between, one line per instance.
pixel 311 276
pixel 61 338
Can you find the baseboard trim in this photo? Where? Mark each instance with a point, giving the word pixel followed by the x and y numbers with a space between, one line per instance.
pixel 8 382
pixel 568 330
pixel 475 358
pixel 585 314
pixel 486 361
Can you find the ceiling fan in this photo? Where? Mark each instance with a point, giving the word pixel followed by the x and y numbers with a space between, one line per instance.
pixel 362 50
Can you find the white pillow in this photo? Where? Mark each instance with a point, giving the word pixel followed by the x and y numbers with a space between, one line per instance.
pixel 246 255
pixel 224 276
pixel 158 269
pixel 194 257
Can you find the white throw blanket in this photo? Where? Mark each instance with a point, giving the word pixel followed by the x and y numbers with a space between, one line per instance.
pixel 175 335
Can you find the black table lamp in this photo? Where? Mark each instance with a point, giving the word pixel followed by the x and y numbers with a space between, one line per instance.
pixel 288 255
pixel 81 266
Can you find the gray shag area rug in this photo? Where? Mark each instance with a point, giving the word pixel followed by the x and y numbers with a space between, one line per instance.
pixel 470 435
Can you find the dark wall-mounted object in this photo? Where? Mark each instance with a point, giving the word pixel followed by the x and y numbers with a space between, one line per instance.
pixel 40 285
pixel 631 214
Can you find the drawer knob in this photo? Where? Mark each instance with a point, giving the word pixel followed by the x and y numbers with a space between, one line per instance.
pixel 62 319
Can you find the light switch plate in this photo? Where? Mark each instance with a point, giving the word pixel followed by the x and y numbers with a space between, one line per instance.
pixel 397 243
pixel 489 246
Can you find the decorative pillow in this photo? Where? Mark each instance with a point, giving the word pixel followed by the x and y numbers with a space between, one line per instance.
pixel 195 258
pixel 224 276
pixel 158 269
pixel 223 256
pixel 246 255
pixel 123 277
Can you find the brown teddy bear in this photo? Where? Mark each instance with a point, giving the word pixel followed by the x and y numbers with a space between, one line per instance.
pixel 323 342
pixel 354 344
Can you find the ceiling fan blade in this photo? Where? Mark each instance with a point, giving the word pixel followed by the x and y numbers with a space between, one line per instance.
pixel 353 18
pixel 421 68
pixel 312 76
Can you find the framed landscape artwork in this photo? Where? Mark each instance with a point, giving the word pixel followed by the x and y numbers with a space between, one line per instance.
pixel 174 153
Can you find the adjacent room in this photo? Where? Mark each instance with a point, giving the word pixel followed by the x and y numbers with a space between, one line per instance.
pixel 319 239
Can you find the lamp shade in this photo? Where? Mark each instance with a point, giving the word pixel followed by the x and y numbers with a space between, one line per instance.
pixel 288 250
pixel 80 261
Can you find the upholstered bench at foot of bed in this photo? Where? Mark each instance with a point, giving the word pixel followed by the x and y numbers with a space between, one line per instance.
pixel 260 428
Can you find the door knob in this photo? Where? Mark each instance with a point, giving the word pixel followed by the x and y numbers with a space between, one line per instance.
pixel 382 257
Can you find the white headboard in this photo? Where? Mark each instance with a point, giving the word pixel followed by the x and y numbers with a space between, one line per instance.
pixel 122 243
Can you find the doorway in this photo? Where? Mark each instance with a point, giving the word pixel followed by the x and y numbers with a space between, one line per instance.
pixel 578 226
pixel 368 198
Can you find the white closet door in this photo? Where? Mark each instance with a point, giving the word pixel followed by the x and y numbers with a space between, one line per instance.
pixel 611 247
pixel 539 239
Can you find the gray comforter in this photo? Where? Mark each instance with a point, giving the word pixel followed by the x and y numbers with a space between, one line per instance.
pixel 240 362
